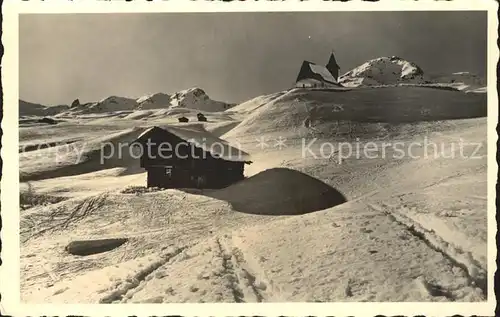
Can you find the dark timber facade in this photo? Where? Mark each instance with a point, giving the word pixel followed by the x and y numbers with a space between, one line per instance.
pixel 175 162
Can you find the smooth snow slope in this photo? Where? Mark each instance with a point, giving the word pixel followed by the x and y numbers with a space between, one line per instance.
pixel 82 156
pixel 358 112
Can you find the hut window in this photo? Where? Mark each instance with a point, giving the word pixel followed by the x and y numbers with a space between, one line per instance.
pixel 168 170
pixel 200 181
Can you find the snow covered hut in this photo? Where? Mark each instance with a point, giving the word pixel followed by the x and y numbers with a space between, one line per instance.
pixel 189 157
pixel 314 75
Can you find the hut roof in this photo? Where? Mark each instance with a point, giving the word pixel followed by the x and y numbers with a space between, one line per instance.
pixel 196 135
pixel 311 70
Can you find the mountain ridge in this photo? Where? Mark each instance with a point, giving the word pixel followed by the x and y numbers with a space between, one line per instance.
pixel 381 71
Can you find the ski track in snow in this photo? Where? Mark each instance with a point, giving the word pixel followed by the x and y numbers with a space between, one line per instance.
pixel 130 284
pixel 256 286
pixel 475 273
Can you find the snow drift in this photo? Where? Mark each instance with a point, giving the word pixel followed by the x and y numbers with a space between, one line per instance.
pixel 280 191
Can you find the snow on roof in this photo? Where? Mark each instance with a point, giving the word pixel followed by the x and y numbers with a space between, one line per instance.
pixel 323 72
pixel 196 135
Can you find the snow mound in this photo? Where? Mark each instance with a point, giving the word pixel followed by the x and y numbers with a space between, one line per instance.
pixel 33 109
pixel 196 98
pixel 154 101
pixel 280 191
pixel 383 71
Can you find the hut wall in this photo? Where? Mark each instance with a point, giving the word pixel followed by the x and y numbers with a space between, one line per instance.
pixel 204 176
pixel 174 163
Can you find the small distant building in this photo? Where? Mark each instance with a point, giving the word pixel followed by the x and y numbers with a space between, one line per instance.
pixel 189 157
pixel 183 119
pixel 47 120
pixel 201 117
pixel 312 75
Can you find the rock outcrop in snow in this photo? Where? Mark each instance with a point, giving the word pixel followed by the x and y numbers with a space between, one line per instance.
pixel 383 71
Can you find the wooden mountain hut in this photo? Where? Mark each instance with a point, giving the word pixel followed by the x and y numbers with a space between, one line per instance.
pixel 201 117
pixel 189 157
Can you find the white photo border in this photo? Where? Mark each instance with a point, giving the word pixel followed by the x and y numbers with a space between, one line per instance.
pixel 10 270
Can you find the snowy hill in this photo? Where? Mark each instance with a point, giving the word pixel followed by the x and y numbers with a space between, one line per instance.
pixel 33 109
pixel 154 101
pixel 193 98
pixel 255 103
pixel 109 104
pixel 383 71
pixel 358 112
pixel 394 70
pixel 462 81
pixel 196 98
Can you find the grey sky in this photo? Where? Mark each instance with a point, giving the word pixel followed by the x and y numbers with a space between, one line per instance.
pixel 232 56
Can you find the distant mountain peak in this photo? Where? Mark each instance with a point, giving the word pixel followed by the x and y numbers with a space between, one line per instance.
pixel 383 71
pixel 394 70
